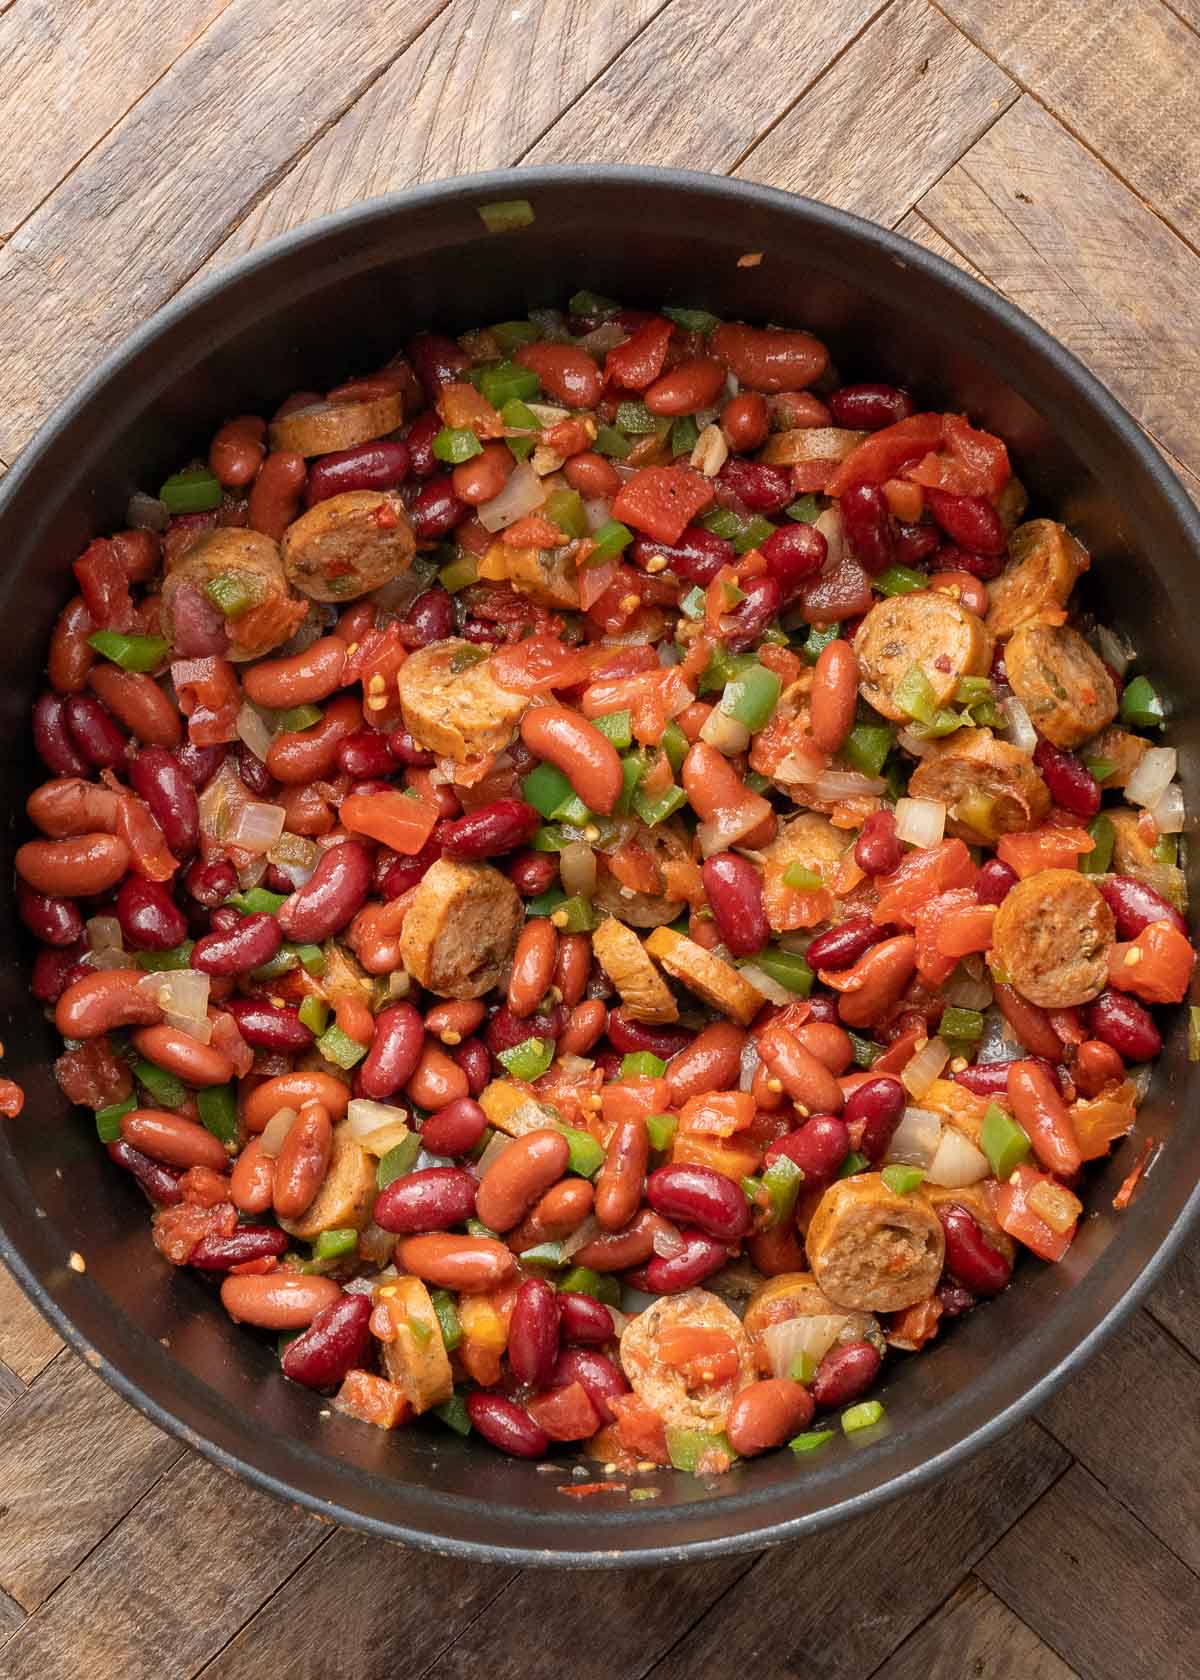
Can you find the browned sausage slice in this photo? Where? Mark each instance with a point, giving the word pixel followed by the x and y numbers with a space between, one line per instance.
pixel 452 705
pixel 988 787
pixel 810 443
pixel 416 1359
pixel 872 1250
pixel 812 841
pixel 661 1386
pixel 1134 854
pixel 1044 565
pixel 347 1195
pixel 348 545
pixel 927 629
pixel 1062 684
pixel 1051 937
pixel 461 928
pixel 793 1295
pixel 710 977
pixel 548 576
pixel 243 570
pixel 325 426
pixel 622 956
pixel 1118 747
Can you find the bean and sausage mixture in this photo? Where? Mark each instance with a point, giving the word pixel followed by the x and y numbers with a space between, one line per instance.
pixel 598 881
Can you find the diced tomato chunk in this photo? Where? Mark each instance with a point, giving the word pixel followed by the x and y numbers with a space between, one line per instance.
pixel 719 1114
pixel 566 1414
pixel 1156 966
pixel 104 584
pixel 627 1097
pixel 880 456
pixel 1044 848
pixel 922 875
pixel 701 1356
pixel 373 1399
pixel 973 463
pixel 1014 1214
pixel 662 501
pixel 393 819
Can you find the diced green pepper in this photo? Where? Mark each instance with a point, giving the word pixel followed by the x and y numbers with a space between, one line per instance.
pixel 675 744
pixel 511 335
pixel 460 572
pixel 1100 769
pixel 914 695
pixel 232 593
pixel 573 915
pixel 582 1280
pixel 782 1181
pixel 803 879
pixel 108 1120
pixel 810 1440
pixel 338 1047
pixel 564 508
pixel 693 604
pixel 723 667
pixel 462 659
pixel 283 962
pixel 944 721
pixel 863 1416
pixel 899 580
pixel 545 904
pixel 684 436
pixel 193 491
pixel 550 837
pixel 722 522
pixel 217 1108
pixel 636 418
pixel 615 727
pixel 756 530
pixel 529 1059
pixel 448 1319
pixel 611 442
pixel 332 1245
pixel 609 541
pixel 752 697
pixel 1104 835
pixel 633 768
pixel 661 1129
pixel 456 444
pixel 804 510
pixel 653 809
pixel 803 1368
pixel 314 1014
pixel 453 1413
pixel 298 718
pixel 866 1053
pixel 506 215
pixel 1004 1143
pixel 1166 851
pixel 256 902
pixel 476 1228
pixel 180 956
pixel 543 1254
pixel 166 1090
pixel 787 968
pixel 854 1163
pixel 312 958
pixel 902 1180
pixel 131 653
pixel 589 304
pixel 546 789
pixel 867 747
pixel 640 1064
pixel 818 638
pixel 971 690
pixel 1142 706
pixel 692 320
pixel 500 382
pixel 398 1160
pixel 687 1448
pixel 586 1155
pixel 961 1023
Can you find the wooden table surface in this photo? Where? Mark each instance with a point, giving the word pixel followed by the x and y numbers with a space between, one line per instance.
pixel 1049 145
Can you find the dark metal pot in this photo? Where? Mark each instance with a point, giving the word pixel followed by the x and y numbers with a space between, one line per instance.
pixel 340 296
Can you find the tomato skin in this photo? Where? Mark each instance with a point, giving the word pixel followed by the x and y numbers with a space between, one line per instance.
pixel 397 821
pixel 625 1098
pixel 922 876
pixel 948 927
pixel 974 463
pixel 881 456
pixel 639 361
pixel 104 584
pixel 718 1114
pixel 700 1354
pixel 565 1414
pixel 210 697
pixel 1014 1215
pixel 662 501
pixel 542 662
pixel 1044 848
pixel 1161 969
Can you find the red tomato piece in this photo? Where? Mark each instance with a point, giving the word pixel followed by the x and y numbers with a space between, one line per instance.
pixel 719 1114
pixel 566 1414
pixel 393 819
pixel 880 456
pixel 662 501
pixel 923 875
pixel 104 585
pixel 210 697
pixel 542 662
pixel 1014 1215
pixel 1044 848
pixel 628 1097
pixel 702 1356
pixel 1156 966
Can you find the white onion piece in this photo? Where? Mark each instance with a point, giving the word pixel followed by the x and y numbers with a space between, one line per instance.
pixel 522 494
pixel 1115 649
pixel 1140 1077
pixel 920 822
pixel 252 873
pixel 497 1144
pixel 577 869
pixel 667 1241
pixel 957 1162
pixel 182 995
pixel 224 795
pixel 1018 726
pixel 762 982
pixel 812 1334
pixel 587 1232
pixel 914 744
pixel 604 337
pixel 718 833
pixel 272 1136
pixel 997 1043
pixel 919 1073
pixel 915 1140
pixel 371 1246
pixel 847 784
pixel 531 1116
pixel 399 983
pixel 364 1117
pixel 724 733
pixel 256 827
pixel 147 513
pixel 830 526
pixel 750 1059
pixel 1167 810
pixel 1154 774
pixel 575 1066
pixel 547 414
pixel 597 511
pixel 804 764
pixel 964 991
pixel 104 934
pixel 253 729
pixel 111 956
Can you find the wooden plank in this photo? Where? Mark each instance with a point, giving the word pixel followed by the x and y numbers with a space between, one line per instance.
pixel 27 1343
pixel 874 1580
pixel 11 1616
pixel 1131 1416
pixel 1097 1586
pixel 931 95
pixel 1122 76
pixel 1056 232
pixel 695 88
pixel 73 1459
pixel 1176 1301
pixel 73 69
pixel 146 207
pixel 472 92
pixel 171 1584
pixel 974 1634
pixel 11 1387
pixel 370 1601
pixel 915 227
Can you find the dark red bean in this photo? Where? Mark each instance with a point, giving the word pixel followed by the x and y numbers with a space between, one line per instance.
pixel 793 553
pixel 818 1148
pixel 630 1036
pixel 878 849
pixel 159 777
pixel 332 898
pixel 600 1377
pixel 584 1319
pixel 364 754
pixel 490 830
pixel 335 1342
pixel 969 1256
pixel 394 1053
pixel 914 544
pixel 436 360
pixel 434 1199
pixel 249 943
pixel 249 1242
pixel 951 558
pixel 701 1256
pixel 429 619
pixel 199 764
pixel 696 558
pixel 700 1196
pixel 211 883
pixel 368 466
pixel 759 487
pixel 54 969
pixel 845 1372
pixel 868 526
pixel 473 1058
pixel 437 510
pixel 1119 1020
pixel 403 748
pixel 954 1299
pixel 872 1113
pixel 505 1425
pixel 418 440
pixel 52 739
pixel 1135 905
pixel 969 521
pixel 1071 783
pixel 995 881
pixel 393 874
pixel 745 624
pixel 505 1030
pixel 269 1026
pixel 95 732
pixel 735 896
pixel 533 872
pixel 55 921
pixel 841 946
pixel 823 1007
pixel 990 1079
pixel 455 1129
pixel 160 1183
pixel 149 917
pixel 533 1333
pixel 225 918
pixel 869 407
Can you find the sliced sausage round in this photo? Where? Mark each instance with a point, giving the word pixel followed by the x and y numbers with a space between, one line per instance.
pixel 1062 684
pixel 452 705
pixel 461 928
pixel 1044 564
pixel 238 567
pixel 324 427
pixel 1051 937
pixel 989 787
pixel 348 545
pixel 622 956
pixel 793 1295
pixel 872 1250
pixel 703 1405
pixel 346 1196
pixel 927 629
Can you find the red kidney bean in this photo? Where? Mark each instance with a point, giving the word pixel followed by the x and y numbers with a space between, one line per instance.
pixel 455 1129
pixel 950 558
pixel 249 1242
pixel 365 754
pixel 746 623
pixel 969 521
pixel 765 1414
pixel 54 969
pixel 253 772
pixel 818 1148
pixel 55 921
pixel 702 1197
pixel 94 731
pixel 868 526
pixel 955 1301
pixel 489 830
pixel 248 943
pixel 711 1062
pixel 872 1112
pixel 601 1378
pixel 160 1183
pixel 630 1036
pixel 878 849
pixel 332 898
pixel 335 1342
pixel 269 1026
pixel 845 1372
pixel 994 882
pixel 368 466
pixel 434 1199
pixel 758 486
pixel 150 919
pixel 393 875
pixel 159 778
pixel 823 1007
pixel 1071 783
pixel 914 544
pixel 990 1079
pixel 567 373
pixel 746 421
pixel 473 1058
pixel 1121 1021
pixel 969 1256
pixel 395 1051
pixel 402 747
pixel 841 946
pixel 869 407
pixel 735 896
pixel 429 619
pixel 199 764
pixel 211 883
pixel 505 1029
pixel 1031 1026
pixel 533 872
pixel 418 440
pixel 436 360
pixel 437 510
pixel 1095 1066
pixel 584 1319
pixel 53 740
pixel 696 558
pixel 533 1333
pixel 1135 905
pixel 794 553
pixel 505 1425
pixel 701 1256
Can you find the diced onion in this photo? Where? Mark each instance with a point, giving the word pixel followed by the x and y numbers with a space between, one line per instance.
pixel 964 991
pixel 811 1333
pixel 547 414
pixel 147 513
pixel 224 795
pixel 1167 810
pixel 914 745
pixel 371 1245
pixel 522 494
pixel 830 526
pixel 253 729
pixel 1018 725
pixel 915 1140
pixel 920 822
pixel 103 934
pixel 182 995
pixel 604 337
pixel 667 1242
pixel 399 983
pixel 1140 1077
pixel 725 733
pixel 1154 774
pixel 847 784
pixel 770 989
pixel 587 1232
pixel 497 1144
pixel 710 452
pixel 575 1066
pixel 577 869
pixel 377 1126
pixel 718 833
pixel 919 1073
pixel 998 1043
pixel 750 1059
pixel 597 510
pixel 957 1162
pixel 531 1116
pixel 276 1130
pixel 250 874
pixel 256 827
pixel 1115 649
pixel 805 764
pixel 111 956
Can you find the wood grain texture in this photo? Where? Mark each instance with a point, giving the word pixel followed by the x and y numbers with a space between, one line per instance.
pixel 472 92
pixel 932 96
pixel 1055 231
pixel 974 1635
pixel 1092 1582
pixel 915 227
pixel 901 1560
pixel 1176 1301
pixel 74 68
pixel 27 1343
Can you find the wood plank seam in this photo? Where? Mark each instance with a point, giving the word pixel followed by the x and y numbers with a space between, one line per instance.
pixel 709 1610
pixel 463 1631
pixel 971 1579
pixel 1183 18
pixel 259 1608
